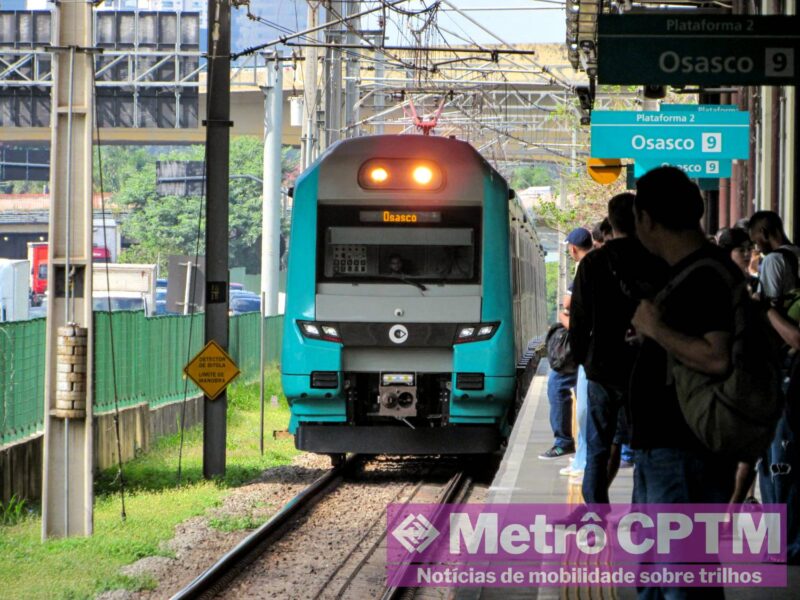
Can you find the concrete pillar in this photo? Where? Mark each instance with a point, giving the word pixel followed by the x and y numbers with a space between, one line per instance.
pixel 67 486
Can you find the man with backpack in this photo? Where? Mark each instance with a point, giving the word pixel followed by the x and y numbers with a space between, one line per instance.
pixel 564 376
pixel 701 352
pixel 692 325
pixel 779 268
pixel 779 281
pixel 608 286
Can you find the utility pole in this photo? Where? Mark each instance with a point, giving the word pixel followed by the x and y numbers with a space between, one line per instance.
pixel 218 126
pixel 563 263
pixel 67 486
pixel 310 94
pixel 271 213
pixel 333 75
pixel 352 71
pixel 379 102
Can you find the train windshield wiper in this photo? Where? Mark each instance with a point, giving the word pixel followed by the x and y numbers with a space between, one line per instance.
pixel 401 278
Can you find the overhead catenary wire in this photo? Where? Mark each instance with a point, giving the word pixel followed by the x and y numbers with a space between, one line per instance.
pixel 284 39
pixel 411 13
pixel 413 26
pixel 120 472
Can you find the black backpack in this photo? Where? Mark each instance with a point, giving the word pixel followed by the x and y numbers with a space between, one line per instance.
pixel 559 353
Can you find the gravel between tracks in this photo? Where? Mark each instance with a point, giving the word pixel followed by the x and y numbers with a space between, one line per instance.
pixel 300 563
pixel 347 523
pixel 197 545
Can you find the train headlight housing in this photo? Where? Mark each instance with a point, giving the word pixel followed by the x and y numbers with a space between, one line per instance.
pixel 401 174
pixel 320 331
pixel 475 332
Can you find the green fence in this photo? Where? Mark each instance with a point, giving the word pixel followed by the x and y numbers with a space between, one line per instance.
pixel 21 379
pixel 149 354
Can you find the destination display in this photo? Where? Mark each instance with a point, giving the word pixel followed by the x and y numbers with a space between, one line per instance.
pixel 673 49
pixel 669 136
pixel 394 216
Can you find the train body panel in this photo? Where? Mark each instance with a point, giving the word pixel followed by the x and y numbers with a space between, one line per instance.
pixel 399 328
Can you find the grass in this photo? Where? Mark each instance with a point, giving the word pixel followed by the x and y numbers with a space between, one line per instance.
pixel 14 511
pixel 83 567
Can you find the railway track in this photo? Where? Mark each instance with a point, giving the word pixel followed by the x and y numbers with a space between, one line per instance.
pixel 215 578
pixel 294 553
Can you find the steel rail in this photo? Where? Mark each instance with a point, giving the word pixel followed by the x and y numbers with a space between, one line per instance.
pixel 454 492
pixel 256 543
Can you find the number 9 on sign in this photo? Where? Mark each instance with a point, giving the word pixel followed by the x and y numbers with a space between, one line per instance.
pixel 712 167
pixel 779 62
pixel 711 142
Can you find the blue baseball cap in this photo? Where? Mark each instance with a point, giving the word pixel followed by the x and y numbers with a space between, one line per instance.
pixel 580 237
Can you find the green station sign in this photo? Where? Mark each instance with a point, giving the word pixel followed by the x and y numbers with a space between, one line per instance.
pixel 681 49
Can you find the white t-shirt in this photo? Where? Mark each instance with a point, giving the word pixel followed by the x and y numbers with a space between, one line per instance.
pixel 775 278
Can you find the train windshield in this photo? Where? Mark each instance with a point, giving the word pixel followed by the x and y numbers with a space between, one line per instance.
pixel 383 244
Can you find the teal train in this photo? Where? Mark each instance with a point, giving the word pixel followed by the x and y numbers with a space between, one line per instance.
pixel 415 283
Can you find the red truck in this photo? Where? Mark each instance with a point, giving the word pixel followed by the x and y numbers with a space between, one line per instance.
pixel 37 256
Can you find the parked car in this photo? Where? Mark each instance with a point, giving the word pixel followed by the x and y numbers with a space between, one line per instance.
pixel 243 301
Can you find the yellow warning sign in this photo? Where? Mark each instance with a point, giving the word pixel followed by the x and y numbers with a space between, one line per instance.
pixel 212 369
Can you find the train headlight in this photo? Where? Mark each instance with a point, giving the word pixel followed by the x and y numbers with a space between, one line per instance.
pixel 311 329
pixel 475 332
pixel 416 174
pixel 422 175
pixel 466 332
pixel 330 331
pixel 320 331
pixel 379 174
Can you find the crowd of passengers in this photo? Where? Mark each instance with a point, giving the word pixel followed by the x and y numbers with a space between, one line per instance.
pixel 658 317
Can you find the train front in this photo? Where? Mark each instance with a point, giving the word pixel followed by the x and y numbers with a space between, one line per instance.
pixel 398 332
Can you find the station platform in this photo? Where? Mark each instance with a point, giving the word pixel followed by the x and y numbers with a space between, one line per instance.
pixel 524 478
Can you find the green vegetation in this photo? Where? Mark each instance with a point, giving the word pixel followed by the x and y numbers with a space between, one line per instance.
pixel 525 177
pixel 82 567
pixel 551 290
pixel 14 511
pixel 230 523
pixel 164 225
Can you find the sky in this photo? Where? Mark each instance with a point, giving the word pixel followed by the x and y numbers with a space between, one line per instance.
pixel 540 21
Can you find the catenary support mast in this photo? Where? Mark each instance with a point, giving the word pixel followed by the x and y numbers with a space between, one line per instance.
pixel 67 487
pixel 218 126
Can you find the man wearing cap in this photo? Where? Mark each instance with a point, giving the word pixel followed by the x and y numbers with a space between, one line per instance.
pixel 608 286
pixel 559 385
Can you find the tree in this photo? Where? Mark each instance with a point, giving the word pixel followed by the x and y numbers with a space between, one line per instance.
pixel 119 164
pixel 551 290
pixel 525 177
pixel 587 201
pixel 164 225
